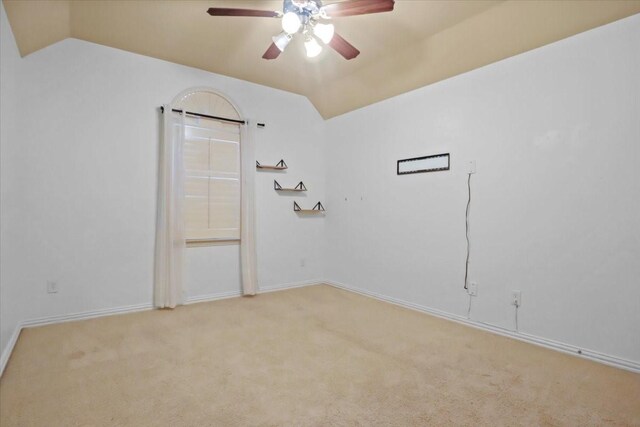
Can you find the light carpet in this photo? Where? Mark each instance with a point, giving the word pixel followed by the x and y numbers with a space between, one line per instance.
pixel 314 356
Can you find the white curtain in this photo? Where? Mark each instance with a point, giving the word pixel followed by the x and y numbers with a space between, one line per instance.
pixel 170 236
pixel 248 223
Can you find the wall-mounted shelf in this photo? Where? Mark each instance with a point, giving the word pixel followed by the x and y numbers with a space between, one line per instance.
pixel 299 187
pixel 318 208
pixel 281 165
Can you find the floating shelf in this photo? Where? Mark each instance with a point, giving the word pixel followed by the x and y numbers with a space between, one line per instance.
pixel 299 187
pixel 318 208
pixel 281 165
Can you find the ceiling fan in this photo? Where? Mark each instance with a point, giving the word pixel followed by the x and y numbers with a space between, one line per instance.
pixel 309 18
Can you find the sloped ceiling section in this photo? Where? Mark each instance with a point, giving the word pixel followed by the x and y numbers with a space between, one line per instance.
pixel 419 43
pixel 38 24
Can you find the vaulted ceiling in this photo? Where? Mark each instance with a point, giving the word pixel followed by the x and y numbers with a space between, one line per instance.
pixel 420 42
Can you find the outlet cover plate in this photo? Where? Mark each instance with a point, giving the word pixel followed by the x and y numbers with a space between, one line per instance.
pixel 473 289
pixel 471 166
pixel 516 298
pixel 52 288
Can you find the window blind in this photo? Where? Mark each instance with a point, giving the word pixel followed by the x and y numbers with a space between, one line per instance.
pixel 212 187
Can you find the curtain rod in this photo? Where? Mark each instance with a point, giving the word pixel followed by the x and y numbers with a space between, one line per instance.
pixel 224 119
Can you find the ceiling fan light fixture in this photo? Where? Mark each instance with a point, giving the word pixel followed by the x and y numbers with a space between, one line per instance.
pixel 282 40
pixel 312 47
pixel 312 20
pixel 324 32
pixel 291 22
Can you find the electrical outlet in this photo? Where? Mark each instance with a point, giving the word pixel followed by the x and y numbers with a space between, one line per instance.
pixel 52 288
pixel 516 298
pixel 471 166
pixel 473 289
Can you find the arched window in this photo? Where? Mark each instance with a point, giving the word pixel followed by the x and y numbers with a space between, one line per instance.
pixel 212 167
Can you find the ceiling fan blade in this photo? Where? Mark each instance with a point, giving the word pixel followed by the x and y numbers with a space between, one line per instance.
pixel 357 7
pixel 343 47
pixel 226 11
pixel 272 52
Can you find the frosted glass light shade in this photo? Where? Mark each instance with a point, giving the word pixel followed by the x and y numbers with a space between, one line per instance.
pixel 291 22
pixel 281 40
pixel 324 32
pixel 313 47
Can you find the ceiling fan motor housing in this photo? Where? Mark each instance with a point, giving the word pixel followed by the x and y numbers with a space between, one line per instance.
pixel 305 9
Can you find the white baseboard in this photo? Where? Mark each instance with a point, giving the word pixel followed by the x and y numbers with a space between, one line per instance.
pixel 274 288
pixel 261 290
pixel 6 354
pixel 41 321
pixel 212 297
pixel 595 356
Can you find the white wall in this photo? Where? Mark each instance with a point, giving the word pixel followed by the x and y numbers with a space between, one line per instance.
pixel 555 203
pixel 8 77
pixel 79 167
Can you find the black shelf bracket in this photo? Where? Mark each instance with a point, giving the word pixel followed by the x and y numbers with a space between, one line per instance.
pixel 317 208
pixel 299 187
pixel 281 165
